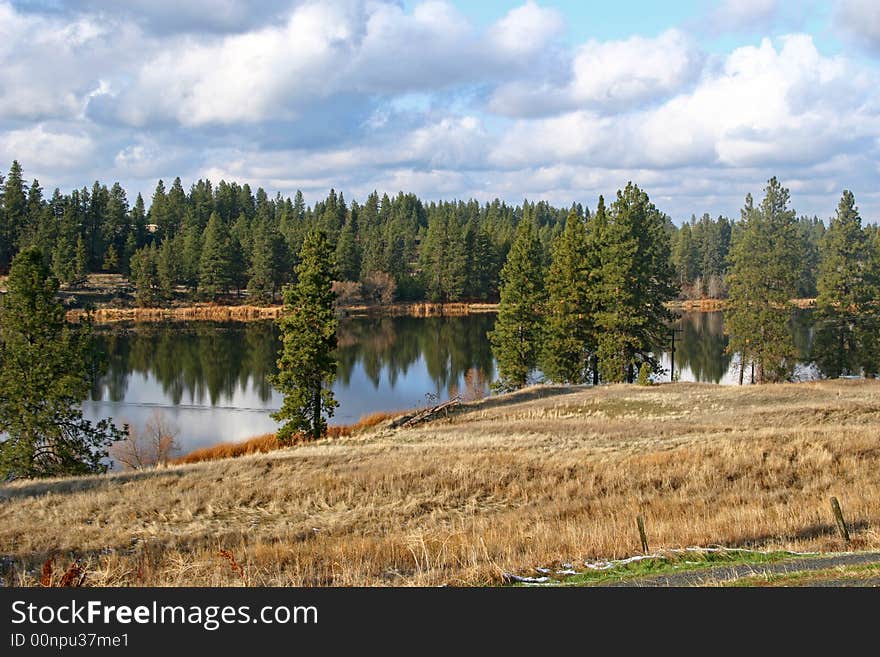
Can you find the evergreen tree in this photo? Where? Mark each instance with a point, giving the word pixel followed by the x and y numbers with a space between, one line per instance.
pixel 159 214
pixel 480 264
pixel 215 264
pixel 570 336
pixel 848 297
pixel 191 256
pixel 763 279
pixel 265 270
pixel 307 364
pixel 111 260
pixel 14 215
pixel 516 338
pixel 348 252
pixel 64 260
pixel 44 377
pixel 633 281
pixel 811 231
pixel 116 228
pixel 167 268
pixel 144 276
pixel 443 261
pixel 81 262
pixel 686 256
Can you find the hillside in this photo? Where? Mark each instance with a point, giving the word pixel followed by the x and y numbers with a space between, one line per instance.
pixel 539 478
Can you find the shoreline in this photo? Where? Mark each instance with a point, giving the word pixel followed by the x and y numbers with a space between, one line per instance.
pixel 247 313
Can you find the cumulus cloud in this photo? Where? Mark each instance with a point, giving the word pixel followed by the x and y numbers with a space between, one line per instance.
pixel 46 149
pixel 741 15
pixel 322 49
pixel 51 67
pixel 767 106
pixel 169 16
pixel 610 76
pixel 368 94
pixel 860 19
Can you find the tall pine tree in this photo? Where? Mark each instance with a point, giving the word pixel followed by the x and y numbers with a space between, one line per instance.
pixel 631 285
pixel 307 364
pixel 44 377
pixel 516 338
pixel 569 333
pixel 763 277
pixel 848 297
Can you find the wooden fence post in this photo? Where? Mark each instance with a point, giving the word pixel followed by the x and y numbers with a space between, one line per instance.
pixel 640 521
pixel 838 516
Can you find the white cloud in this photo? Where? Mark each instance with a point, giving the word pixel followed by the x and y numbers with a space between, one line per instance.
pixel 326 48
pixel 526 29
pixel 609 76
pixel 737 15
pixel 861 20
pixel 368 94
pixel 43 149
pixel 789 105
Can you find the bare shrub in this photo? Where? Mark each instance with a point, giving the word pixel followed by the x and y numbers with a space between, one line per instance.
pixel 379 287
pixel 716 288
pixel 348 293
pixel 475 385
pixel 155 445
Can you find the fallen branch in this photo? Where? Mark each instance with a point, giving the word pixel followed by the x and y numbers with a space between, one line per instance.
pixel 426 414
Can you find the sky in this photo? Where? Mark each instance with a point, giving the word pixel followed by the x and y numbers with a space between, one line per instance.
pixel 698 102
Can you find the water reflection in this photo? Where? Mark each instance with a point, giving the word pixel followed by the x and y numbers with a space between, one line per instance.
pixel 701 345
pixel 211 378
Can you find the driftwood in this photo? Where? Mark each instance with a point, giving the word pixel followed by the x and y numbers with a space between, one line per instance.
pixel 425 414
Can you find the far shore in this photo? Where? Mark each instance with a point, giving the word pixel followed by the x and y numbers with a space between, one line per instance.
pixel 248 313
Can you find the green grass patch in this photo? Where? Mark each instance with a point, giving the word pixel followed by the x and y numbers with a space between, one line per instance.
pixel 850 575
pixel 663 564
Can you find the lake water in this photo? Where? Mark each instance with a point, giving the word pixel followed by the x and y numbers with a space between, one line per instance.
pixel 209 379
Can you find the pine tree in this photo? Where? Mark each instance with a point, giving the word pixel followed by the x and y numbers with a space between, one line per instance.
pixel 443 261
pixel 167 267
pixel 480 263
pixel 811 230
pixel 264 270
pixel 81 262
pixel 516 338
pixel 44 377
pixel 14 216
pixel 763 279
pixel 570 336
pixel 631 284
pixel 111 260
pixel 191 256
pixel 144 277
pixel 848 294
pixel 307 364
pixel 348 252
pixel 159 214
pixel 215 264
pixel 686 256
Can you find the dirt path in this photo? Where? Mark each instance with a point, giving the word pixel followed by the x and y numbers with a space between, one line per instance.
pixel 730 573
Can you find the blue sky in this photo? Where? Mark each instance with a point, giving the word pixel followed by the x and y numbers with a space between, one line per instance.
pixel 698 102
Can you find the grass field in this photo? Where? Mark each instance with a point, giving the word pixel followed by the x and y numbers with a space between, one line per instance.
pixel 541 478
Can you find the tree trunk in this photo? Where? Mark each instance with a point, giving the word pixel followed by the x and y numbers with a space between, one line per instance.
pixel 316 419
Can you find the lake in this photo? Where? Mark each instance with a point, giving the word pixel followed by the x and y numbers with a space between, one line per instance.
pixel 209 379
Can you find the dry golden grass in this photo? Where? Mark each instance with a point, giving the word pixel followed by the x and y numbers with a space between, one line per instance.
pixel 269 442
pixel 535 478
